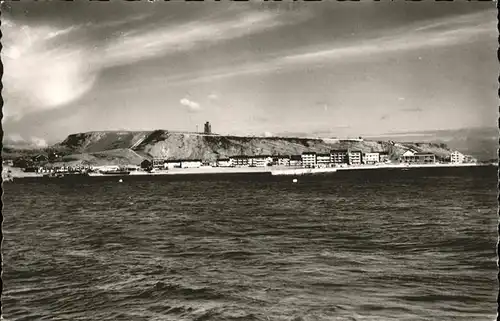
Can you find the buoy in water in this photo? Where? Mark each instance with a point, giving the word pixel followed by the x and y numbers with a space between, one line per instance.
pixel 295 180
pixel 120 181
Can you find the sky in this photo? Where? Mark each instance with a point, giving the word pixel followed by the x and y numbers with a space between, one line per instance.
pixel 337 69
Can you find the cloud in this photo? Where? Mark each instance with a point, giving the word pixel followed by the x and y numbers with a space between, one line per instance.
pixel 158 40
pixel 48 67
pixel 268 134
pixel 39 75
pixel 191 105
pixel 446 32
pixel 454 22
pixel 39 142
pixel 409 40
pixel 213 97
pixel 15 139
pixel 137 18
pixel 56 33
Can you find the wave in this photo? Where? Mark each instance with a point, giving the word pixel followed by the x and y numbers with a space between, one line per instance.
pixel 234 255
pixel 373 307
pixel 216 250
pixel 225 313
pixel 171 290
pixel 440 298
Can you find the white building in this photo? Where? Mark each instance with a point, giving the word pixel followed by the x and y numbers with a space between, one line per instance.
pixel 408 153
pixel 224 162
pixel 100 168
pixel 283 161
pixel 339 156
pixel 469 159
pixel 169 164
pixel 261 161
pixel 355 157
pixel 133 168
pixel 407 156
pixel 191 163
pixel 158 162
pixel 239 161
pixel 323 160
pixel 308 159
pixel 457 158
pixel 371 158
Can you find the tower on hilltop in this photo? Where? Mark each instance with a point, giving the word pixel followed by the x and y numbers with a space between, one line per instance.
pixel 208 128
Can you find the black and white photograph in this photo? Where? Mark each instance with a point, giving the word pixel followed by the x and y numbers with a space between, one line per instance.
pixel 250 160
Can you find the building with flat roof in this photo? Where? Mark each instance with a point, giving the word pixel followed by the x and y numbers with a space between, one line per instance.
pixel 282 160
pixel 239 161
pixel 456 157
pixel 169 164
pixel 260 160
pixel 355 157
pixel 469 159
pixel 323 160
pixel 158 162
pixel 190 163
pixel 308 159
pixel 339 156
pixel 371 158
pixel 224 162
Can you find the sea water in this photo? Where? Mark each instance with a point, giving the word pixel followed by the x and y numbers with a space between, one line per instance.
pixel 360 245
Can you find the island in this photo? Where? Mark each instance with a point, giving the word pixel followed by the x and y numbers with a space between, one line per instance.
pixel 160 152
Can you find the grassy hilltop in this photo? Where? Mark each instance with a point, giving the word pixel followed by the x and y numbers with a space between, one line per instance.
pixel 131 147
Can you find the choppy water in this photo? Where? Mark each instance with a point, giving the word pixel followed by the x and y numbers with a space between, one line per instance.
pixel 378 245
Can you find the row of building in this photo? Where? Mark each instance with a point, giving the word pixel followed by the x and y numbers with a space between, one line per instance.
pixel 458 158
pixel 306 159
pixel 335 158
pixel 412 156
pixel 338 158
pixel 309 160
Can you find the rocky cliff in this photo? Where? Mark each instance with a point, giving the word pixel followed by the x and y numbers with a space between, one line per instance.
pixel 132 147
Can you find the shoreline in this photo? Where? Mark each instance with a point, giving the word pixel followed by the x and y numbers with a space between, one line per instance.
pixel 312 171
pixel 275 170
pixel 403 166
